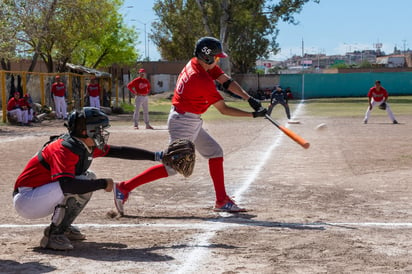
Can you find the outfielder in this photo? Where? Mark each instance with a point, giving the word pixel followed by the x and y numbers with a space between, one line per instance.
pixel 57 180
pixel 378 96
pixel 194 93
pixel 140 87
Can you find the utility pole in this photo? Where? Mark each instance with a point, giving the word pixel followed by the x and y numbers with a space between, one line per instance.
pixel 303 70
pixel 404 46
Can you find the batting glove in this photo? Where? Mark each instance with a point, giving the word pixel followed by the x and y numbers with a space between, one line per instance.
pixel 254 103
pixel 260 113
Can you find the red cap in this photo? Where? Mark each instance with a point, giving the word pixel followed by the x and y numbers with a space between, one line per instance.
pixel 141 70
pixel 57 77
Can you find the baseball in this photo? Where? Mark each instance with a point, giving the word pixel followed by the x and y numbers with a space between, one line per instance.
pixel 321 126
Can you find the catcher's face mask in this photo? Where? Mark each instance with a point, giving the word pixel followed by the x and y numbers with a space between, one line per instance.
pixel 99 135
pixel 93 121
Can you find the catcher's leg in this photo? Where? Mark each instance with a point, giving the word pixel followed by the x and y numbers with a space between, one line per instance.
pixel 60 232
pixel 64 215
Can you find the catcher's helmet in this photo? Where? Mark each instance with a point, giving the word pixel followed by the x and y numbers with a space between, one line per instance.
pixel 207 48
pixel 93 121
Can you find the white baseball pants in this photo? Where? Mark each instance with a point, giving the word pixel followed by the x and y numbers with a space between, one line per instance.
pixel 378 103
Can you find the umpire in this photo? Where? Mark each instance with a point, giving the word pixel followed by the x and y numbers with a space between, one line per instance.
pixel 279 96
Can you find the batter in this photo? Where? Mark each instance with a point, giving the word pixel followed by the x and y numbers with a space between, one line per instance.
pixel 194 93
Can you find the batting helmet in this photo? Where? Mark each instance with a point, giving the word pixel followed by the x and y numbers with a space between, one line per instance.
pixel 93 121
pixel 207 48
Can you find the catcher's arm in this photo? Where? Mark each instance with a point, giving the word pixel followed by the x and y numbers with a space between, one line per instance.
pixel 132 153
pixel 180 155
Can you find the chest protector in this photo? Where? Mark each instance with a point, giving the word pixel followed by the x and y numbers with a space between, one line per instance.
pixel 75 146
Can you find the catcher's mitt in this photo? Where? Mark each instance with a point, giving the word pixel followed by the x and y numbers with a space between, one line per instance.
pixel 382 106
pixel 180 155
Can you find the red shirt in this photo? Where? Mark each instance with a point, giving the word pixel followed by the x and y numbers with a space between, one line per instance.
pixel 13 103
pixel 93 90
pixel 62 162
pixel 142 86
pixel 195 89
pixel 378 95
pixel 58 89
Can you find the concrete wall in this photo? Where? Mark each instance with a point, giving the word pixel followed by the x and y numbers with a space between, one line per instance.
pixel 256 81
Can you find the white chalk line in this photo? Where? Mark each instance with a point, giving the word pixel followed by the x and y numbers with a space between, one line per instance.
pixel 192 259
pixel 214 225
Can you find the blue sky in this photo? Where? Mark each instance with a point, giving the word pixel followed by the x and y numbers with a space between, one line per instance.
pixel 330 27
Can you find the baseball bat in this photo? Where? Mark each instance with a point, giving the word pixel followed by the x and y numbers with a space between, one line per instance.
pixel 289 133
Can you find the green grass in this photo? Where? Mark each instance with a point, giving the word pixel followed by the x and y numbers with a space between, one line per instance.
pixel 333 107
pixel 325 107
pixel 159 108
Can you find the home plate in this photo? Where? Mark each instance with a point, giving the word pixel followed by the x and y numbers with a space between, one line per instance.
pixel 293 122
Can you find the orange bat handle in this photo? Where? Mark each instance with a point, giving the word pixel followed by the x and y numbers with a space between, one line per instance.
pixel 289 133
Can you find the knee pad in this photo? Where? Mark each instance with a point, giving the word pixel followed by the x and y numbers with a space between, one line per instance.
pixel 66 212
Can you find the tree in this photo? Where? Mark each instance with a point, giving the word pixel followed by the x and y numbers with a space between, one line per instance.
pixel 171 34
pixel 247 28
pixel 110 43
pixel 8 41
pixel 61 31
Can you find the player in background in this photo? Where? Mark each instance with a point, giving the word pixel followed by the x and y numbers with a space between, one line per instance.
pixel 194 93
pixel 16 106
pixel 56 181
pixel 279 96
pixel 58 91
pixel 93 91
pixel 140 87
pixel 377 96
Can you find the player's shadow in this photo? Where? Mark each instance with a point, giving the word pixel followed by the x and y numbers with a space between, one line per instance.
pixel 246 219
pixel 191 217
pixel 10 266
pixel 112 252
pixel 238 218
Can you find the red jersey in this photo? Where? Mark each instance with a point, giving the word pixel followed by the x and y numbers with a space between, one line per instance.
pixel 93 90
pixel 58 89
pixel 62 162
pixel 142 86
pixel 377 95
pixel 13 103
pixel 195 89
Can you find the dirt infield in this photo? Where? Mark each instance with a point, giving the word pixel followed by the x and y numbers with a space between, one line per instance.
pixel 342 206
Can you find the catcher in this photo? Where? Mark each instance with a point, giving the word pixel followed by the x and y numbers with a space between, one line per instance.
pixel 378 96
pixel 56 181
